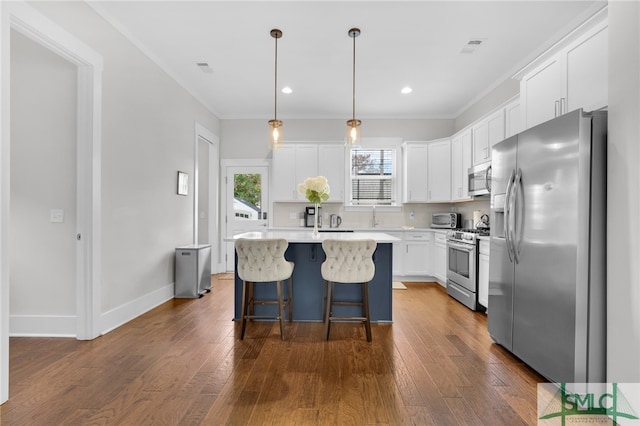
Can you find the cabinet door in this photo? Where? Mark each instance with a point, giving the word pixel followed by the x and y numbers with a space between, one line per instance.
pixel 415 173
pixel 306 166
pixel 331 164
pixel 540 90
pixel 416 261
pixel 283 175
pixel 440 258
pixel 439 171
pixel 483 280
pixel 495 131
pixel 460 163
pixel 587 72
pixel 480 142
pixel 291 165
pixel 513 119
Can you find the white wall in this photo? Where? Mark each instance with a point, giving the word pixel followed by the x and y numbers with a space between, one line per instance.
pixel 623 188
pixel 147 136
pixel 43 177
pixel 239 137
pixel 501 94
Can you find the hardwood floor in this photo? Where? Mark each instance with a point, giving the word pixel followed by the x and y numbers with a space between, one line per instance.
pixel 182 364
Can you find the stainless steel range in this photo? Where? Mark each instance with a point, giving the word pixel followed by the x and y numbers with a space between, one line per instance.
pixel 462 269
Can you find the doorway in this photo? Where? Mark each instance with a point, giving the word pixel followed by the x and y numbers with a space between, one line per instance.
pixel 206 220
pixel 246 201
pixel 29 22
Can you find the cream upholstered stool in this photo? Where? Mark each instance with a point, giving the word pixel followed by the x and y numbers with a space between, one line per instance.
pixel 348 261
pixel 262 261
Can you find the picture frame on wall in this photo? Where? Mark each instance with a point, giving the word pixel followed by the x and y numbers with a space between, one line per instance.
pixel 183 183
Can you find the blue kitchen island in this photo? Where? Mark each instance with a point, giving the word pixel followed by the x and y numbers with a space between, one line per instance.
pixel 308 285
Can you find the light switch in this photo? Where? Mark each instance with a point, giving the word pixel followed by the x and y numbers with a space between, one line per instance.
pixel 56 215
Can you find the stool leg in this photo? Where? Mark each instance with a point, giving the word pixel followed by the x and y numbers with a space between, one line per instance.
pixel 327 316
pixel 365 309
pixel 243 314
pixel 280 308
pixel 290 299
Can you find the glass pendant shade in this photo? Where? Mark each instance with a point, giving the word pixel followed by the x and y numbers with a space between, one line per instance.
pixel 353 132
pixel 275 134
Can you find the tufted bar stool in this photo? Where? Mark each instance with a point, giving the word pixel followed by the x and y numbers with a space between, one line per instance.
pixel 348 262
pixel 262 261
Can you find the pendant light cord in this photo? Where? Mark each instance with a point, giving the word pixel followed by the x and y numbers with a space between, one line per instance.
pixel 275 85
pixel 354 79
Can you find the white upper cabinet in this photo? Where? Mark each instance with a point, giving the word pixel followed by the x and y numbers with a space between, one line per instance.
pixel 487 133
pixel 291 165
pixel 439 171
pixel 415 156
pixel 570 76
pixel 331 164
pixel 460 163
pixel 512 118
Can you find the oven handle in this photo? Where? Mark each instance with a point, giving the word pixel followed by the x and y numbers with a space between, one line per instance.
pixel 464 247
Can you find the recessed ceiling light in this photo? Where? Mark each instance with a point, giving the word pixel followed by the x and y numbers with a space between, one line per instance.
pixel 287 90
pixel 405 90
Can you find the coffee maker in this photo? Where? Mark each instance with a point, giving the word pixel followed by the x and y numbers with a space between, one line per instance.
pixel 310 215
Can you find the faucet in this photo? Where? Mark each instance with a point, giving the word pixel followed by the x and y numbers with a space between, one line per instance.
pixel 375 221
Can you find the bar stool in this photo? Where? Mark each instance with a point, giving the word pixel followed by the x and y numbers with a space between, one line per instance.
pixel 348 262
pixel 262 261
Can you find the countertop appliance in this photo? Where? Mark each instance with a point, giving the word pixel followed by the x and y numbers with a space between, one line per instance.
pixel 446 220
pixel 547 267
pixel 462 265
pixel 480 180
pixel 310 214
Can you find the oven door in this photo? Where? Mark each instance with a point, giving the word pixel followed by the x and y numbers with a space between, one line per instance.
pixel 462 264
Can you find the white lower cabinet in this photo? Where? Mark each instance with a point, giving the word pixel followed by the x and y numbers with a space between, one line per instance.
pixel 440 258
pixel 417 253
pixel 398 254
pixel 483 274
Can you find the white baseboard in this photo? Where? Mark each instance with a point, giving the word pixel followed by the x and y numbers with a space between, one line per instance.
pixel 124 313
pixel 42 326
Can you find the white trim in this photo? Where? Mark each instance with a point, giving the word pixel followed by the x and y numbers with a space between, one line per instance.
pixel 128 311
pixel 214 190
pixel 31 23
pixel 42 326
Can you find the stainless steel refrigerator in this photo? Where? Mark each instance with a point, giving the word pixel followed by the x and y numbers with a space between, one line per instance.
pixel 547 262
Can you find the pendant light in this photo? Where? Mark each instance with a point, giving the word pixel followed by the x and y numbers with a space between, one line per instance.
pixel 275 125
pixel 353 125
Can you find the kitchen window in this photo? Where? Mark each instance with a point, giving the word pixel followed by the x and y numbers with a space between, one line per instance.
pixel 373 176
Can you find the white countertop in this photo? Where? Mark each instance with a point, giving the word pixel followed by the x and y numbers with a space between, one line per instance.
pixel 306 236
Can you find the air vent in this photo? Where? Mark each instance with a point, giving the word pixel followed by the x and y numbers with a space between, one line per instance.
pixel 473 45
pixel 204 67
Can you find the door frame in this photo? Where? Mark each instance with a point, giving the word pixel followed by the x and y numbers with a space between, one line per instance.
pixel 29 22
pixel 224 166
pixel 201 132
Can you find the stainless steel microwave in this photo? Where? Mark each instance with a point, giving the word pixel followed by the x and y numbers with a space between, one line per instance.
pixel 480 180
pixel 446 220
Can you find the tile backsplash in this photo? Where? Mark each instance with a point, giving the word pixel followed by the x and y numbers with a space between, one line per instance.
pixel 416 215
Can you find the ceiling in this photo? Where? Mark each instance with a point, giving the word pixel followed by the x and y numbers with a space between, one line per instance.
pixel 414 43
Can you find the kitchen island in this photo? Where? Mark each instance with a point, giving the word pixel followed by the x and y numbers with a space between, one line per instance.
pixel 308 286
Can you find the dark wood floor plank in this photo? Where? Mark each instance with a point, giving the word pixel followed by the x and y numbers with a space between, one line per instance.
pixel 183 364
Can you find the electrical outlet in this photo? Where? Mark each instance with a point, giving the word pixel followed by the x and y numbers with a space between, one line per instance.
pixel 412 215
pixel 293 215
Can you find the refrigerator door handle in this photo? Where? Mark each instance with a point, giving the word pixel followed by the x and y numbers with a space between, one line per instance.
pixel 507 215
pixel 517 232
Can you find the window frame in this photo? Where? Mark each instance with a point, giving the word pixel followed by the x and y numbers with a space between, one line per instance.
pixel 369 144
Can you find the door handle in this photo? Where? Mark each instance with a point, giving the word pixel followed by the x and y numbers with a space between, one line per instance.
pixel 487 179
pixel 518 233
pixel 507 215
